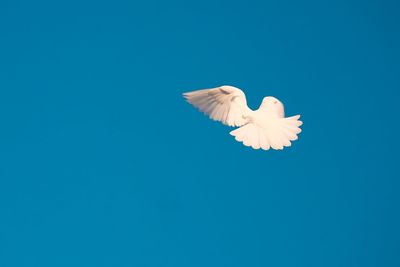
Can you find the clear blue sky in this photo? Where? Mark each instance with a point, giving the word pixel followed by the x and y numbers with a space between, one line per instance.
pixel 102 163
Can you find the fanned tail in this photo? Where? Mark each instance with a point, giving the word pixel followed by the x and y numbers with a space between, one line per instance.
pixel 277 133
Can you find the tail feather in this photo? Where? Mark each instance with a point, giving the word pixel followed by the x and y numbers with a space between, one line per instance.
pixel 249 134
pixel 276 134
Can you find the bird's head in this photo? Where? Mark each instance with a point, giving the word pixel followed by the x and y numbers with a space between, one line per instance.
pixel 272 104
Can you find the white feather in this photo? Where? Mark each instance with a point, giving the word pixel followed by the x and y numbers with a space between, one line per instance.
pixel 226 104
pixel 275 133
pixel 264 128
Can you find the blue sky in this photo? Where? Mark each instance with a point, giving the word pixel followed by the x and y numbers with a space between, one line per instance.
pixel 104 164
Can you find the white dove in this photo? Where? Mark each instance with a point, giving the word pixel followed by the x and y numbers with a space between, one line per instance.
pixel 263 128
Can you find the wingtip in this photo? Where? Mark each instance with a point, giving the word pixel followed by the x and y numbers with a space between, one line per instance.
pixel 186 96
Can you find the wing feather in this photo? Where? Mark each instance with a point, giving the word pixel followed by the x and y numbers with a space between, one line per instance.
pixel 226 104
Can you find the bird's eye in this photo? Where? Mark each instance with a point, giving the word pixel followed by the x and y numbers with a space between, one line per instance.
pixel 275 102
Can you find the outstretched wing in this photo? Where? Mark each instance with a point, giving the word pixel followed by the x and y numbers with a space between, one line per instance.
pixel 226 104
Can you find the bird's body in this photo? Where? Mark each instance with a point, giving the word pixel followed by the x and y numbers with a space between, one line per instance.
pixel 263 128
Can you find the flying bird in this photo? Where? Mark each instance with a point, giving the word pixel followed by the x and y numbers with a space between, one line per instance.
pixel 263 128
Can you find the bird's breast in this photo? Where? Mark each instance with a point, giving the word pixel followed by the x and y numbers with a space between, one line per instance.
pixel 264 117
